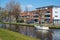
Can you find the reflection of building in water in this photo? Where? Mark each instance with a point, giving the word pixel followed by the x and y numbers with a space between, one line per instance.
pixel 44 36
pixel 50 35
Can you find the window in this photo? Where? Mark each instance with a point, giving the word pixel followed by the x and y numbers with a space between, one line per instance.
pixel 36 16
pixel 28 16
pixel 56 12
pixel 36 20
pixel 21 16
pixel 47 15
pixel 47 11
pixel 56 15
pixel 35 13
pixel 25 16
pixel 47 20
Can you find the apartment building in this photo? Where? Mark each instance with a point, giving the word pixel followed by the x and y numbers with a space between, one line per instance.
pixel 46 14
pixel 32 16
pixel 49 13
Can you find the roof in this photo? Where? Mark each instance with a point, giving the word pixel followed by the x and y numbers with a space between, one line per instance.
pixel 47 6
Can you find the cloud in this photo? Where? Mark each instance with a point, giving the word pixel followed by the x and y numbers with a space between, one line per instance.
pixel 23 7
pixel 29 6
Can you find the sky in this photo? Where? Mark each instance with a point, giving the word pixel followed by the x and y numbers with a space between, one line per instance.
pixel 32 4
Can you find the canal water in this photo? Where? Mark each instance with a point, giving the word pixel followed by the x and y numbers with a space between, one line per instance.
pixel 52 34
pixel 56 34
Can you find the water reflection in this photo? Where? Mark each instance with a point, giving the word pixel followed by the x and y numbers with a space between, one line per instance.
pixel 52 34
pixel 56 34
pixel 44 34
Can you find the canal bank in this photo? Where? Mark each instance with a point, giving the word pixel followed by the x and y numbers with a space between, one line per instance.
pixel 29 30
pixel 54 27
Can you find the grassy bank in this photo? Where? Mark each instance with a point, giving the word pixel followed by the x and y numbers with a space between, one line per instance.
pixel 9 35
pixel 54 27
pixel 22 24
pixel 31 25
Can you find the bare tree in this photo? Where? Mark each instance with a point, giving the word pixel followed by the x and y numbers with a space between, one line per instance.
pixel 16 11
pixel 13 9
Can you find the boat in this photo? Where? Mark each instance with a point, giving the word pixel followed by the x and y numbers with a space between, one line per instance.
pixel 41 28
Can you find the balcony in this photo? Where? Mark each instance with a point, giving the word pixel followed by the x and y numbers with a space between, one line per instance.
pixel 36 16
pixel 47 13
pixel 47 17
pixel 36 13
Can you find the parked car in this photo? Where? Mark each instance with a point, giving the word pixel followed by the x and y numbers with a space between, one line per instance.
pixel 30 22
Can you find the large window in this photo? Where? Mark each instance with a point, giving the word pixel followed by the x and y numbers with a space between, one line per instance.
pixel 36 16
pixel 56 15
pixel 36 20
pixel 47 15
pixel 47 20
pixel 56 12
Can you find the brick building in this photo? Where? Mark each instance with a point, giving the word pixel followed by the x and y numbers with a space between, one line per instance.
pixel 30 16
pixel 43 14
pixel 50 13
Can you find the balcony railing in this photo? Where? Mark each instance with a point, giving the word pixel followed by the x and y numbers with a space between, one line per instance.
pixel 47 17
pixel 47 13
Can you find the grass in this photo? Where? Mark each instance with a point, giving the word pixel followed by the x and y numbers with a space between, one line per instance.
pixel 54 27
pixel 23 24
pixel 9 35
pixel 31 25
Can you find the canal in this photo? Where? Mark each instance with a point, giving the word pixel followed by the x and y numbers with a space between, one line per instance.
pixel 52 34
pixel 56 34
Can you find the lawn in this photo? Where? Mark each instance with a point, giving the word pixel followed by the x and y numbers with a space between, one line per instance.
pixel 9 35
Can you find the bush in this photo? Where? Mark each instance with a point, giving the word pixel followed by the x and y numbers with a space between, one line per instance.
pixel 20 21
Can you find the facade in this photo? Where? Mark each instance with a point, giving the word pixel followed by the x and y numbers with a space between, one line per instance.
pixel 56 14
pixel 50 13
pixel 46 14
pixel 32 16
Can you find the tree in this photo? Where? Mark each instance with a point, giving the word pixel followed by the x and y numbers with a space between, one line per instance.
pixel 16 11
pixel 13 9
pixel 2 14
pixel 40 14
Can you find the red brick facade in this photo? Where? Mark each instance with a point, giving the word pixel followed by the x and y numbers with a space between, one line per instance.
pixel 40 14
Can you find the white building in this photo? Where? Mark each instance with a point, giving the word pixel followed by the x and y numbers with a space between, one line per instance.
pixel 56 14
pixel 51 13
